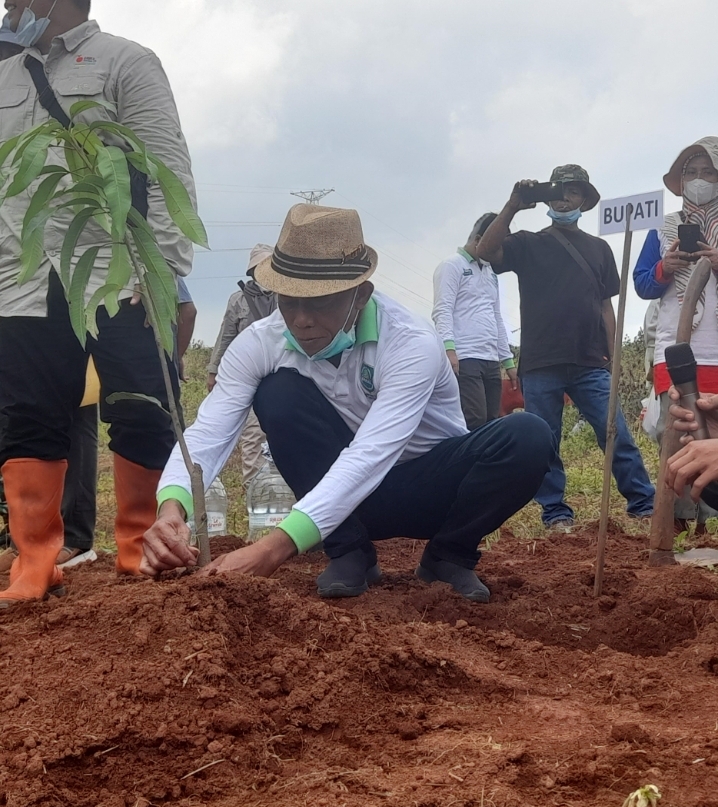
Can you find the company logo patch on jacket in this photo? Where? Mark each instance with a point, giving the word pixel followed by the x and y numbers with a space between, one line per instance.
pixel 86 60
pixel 367 380
pixel 468 271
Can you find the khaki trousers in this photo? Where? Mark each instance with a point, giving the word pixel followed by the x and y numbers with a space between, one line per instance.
pixel 251 445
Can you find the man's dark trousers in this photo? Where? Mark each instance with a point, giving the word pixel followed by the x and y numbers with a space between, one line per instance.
pixel 79 501
pixel 43 368
pixel 453 496
pixel 480 390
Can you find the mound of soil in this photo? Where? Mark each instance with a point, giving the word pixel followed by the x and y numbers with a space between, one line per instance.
pixel 237 691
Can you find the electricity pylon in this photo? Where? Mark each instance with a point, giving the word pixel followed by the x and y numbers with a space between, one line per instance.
pixel 313 197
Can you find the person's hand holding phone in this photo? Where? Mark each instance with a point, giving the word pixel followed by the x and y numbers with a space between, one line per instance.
pixel 709 252
pixel 674 260
pixel 516 200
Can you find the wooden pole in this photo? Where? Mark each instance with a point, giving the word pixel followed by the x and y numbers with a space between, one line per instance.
pixel 613 407
pixel 662 522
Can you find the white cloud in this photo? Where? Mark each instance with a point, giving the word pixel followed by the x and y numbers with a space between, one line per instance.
pixel 422 114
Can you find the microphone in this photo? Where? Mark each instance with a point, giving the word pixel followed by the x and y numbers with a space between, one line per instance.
pixel 682 368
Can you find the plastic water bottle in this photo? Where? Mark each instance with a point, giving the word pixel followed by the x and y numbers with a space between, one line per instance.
pixel 215 500
pixel 269 500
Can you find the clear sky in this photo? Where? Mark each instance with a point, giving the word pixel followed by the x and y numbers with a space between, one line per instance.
pixel 421 114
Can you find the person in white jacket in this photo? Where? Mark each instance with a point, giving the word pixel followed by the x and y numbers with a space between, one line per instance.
pixel 467 315
pixel 362 416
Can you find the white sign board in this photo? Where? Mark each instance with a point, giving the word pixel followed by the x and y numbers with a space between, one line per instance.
pixel 647 213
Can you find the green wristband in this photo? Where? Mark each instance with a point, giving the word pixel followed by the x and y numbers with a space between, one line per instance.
pixel 302 530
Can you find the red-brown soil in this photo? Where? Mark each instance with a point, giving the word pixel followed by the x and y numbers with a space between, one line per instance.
pixel 405 697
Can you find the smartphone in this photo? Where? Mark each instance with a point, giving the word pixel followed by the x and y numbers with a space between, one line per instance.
pixel 542 192
pixel 689 236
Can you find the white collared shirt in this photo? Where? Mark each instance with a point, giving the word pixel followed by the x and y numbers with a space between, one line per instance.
pixel 396 393
pixel 467 310
pixel 86 64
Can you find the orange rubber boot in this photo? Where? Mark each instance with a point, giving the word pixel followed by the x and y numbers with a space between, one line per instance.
pixel 34 493
pixel 136 494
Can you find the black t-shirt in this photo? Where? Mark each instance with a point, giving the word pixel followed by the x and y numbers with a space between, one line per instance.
pixel 561 320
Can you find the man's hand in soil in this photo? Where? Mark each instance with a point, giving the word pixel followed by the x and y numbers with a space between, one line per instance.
pixel 166 544
pixel 697 463
pixel 513 378
pixel 260 560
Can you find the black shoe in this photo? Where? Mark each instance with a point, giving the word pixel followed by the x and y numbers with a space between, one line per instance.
pixel 350 575
pixel 462 580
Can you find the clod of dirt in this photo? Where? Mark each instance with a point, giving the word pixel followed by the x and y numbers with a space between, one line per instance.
pixel 630 733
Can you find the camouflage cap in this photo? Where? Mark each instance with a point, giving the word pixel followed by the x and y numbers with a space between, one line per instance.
pixel 574 173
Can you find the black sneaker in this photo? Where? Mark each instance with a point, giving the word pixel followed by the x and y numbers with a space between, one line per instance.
pixel 462 580
pixel 350 575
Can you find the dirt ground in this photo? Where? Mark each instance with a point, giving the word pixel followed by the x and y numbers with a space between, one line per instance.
pixel 406 697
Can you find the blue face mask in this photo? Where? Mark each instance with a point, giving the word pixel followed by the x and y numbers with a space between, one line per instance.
pixel 567 217
pixel 341 342
pixel 30 29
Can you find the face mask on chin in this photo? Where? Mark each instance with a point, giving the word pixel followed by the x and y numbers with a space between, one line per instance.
pixel 342 341
pixel 30 29
pixel 700 192
pixel 564 217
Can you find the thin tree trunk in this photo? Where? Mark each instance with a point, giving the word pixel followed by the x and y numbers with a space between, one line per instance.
pixel 194 469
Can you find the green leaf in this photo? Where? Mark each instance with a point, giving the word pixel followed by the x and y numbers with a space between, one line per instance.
pixel 32 246
pixel 41 197
pixel 82 201
pixel 112 167
pixel 180 205
pixel 77 167
pixel 155 264
pixel 107 290
pixel 141 163
pixel 54 169
pixel 119 274
pixel 90 184
pixel 87 140
pixel 163 313
pixel 116 397
pixel 82 106
pixel 74 231
pixel 122 131
pixel 7 149
pixel 76 297
pixel 33 161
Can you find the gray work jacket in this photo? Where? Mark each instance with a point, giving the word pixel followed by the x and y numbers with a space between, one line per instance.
pixel 86 64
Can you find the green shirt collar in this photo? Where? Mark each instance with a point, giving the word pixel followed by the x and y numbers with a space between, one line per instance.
pixel 465 254
pixel 367 327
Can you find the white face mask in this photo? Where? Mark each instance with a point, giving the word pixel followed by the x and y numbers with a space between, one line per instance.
pixel 700 192
pixel 30 29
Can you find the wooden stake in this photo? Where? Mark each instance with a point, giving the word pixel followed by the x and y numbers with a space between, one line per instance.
pixel 613 407
pixel 662 522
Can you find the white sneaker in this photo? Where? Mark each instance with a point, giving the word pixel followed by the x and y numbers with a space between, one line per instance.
pixel 76 557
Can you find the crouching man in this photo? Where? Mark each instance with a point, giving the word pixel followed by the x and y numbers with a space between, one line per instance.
pixel 361 411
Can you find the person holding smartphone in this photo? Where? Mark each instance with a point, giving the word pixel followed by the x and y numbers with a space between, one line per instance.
pixel 662 273
pixel 566 281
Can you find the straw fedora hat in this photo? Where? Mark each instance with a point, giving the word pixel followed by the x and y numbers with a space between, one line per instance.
pixel 673 180
pixel 320 251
